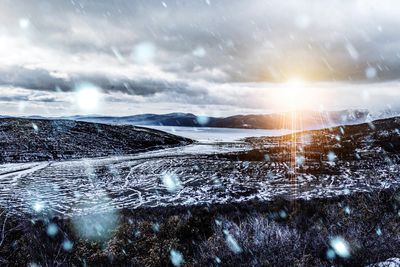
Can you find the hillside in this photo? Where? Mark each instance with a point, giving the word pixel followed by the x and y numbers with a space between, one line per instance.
pixel 23 140
pixel 376 139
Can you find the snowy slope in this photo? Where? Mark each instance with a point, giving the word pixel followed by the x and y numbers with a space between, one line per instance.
pixel 24 140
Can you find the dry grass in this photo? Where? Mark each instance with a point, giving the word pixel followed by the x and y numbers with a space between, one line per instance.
pixel 278 233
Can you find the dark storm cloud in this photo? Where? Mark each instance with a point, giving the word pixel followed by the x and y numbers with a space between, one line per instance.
pixel 30 79
pixel 31 96
pixel 14 98
pixel 42 80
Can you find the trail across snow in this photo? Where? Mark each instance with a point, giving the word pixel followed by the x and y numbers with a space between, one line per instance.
pixel 145 180
pixel 79 185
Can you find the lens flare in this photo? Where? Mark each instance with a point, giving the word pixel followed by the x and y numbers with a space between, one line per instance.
pixel 88 96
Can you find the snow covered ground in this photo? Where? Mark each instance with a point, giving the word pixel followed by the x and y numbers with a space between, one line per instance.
pixel 209 173
pixel 207 134
pixel 189 175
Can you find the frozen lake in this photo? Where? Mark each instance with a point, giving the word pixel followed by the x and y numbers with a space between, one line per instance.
pixel 207 134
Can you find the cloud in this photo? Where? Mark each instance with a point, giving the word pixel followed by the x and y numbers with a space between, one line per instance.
pixel 20 95
pixel 219 99
pixel 41 79
pixel 242 41
pixel 199 53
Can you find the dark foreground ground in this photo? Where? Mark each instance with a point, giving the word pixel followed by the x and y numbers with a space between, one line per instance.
pixel 278 233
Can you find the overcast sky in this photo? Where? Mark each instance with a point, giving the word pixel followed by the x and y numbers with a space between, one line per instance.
pixel 208 57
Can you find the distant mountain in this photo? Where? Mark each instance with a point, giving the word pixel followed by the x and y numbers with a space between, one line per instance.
pixel 23 140
pixel 171 119
pixel 289 120
pixel 300 120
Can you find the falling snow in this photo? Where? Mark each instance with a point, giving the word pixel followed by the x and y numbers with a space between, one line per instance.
pixel 340 247
pixel 79 186
pixel 176 257
pixel 232 243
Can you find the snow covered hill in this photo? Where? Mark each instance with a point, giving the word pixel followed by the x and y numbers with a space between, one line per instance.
pixel 25 140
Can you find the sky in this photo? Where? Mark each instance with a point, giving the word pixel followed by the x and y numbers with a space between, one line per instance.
pixel 124 57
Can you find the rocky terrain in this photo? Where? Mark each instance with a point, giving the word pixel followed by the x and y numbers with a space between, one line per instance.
pixel 313 198
pixel 27 140
pixel 377 139
pixel 306 165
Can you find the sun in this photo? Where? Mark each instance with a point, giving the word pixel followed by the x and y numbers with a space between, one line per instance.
pixel 294 94
pixel 295 81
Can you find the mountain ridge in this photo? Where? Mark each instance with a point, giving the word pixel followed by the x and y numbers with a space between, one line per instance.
pixel 301 120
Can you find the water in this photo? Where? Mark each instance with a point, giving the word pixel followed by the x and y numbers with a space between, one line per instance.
pixel 206 134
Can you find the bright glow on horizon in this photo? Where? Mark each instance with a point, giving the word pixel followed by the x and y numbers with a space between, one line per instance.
pixel 295 94
pixel 295 81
